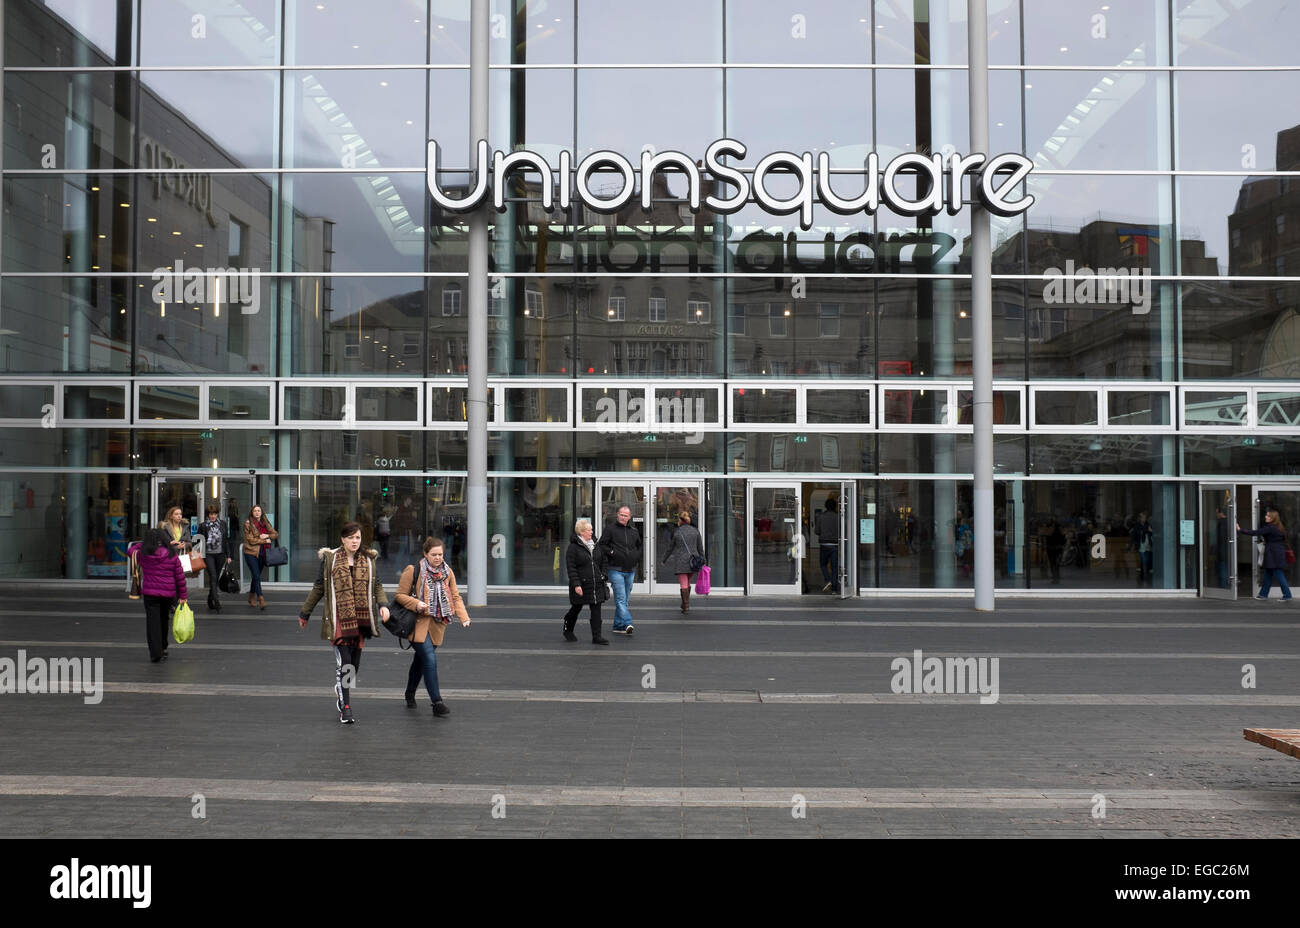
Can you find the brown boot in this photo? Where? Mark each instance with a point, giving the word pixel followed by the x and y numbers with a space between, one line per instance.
pixel 686 599
pixel 261 602
pixel 252 600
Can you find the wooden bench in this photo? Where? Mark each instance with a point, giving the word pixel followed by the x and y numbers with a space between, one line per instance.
pixel 1286 740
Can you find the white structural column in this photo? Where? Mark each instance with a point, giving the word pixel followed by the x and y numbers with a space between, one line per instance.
pixel 476 484
pixel 981 310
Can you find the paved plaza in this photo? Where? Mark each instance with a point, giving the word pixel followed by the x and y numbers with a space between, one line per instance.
pixel 1114 718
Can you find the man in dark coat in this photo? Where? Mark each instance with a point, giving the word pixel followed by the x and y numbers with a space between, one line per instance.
pixel 621 545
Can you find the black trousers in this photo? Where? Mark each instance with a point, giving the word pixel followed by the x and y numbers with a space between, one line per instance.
pixel 347 661
pixel 571 617
pixel 215 563
pixel 157 616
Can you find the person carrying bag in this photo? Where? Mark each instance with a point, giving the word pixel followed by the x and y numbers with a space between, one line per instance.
pixel 427 592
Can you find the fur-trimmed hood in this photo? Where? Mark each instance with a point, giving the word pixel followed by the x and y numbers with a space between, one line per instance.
pixel 321 552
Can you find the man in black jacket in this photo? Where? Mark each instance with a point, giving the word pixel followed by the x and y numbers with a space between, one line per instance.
pixel 622 545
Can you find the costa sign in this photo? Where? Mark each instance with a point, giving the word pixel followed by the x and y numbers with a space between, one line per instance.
pixel 937 181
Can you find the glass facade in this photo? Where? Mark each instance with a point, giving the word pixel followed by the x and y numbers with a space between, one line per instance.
pixel 222 277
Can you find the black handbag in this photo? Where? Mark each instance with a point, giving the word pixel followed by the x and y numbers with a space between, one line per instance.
pixel 277 556
pixel 401 621
pixel 228 582
pixel 697 561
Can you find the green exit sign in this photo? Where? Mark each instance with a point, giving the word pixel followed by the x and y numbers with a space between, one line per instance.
pixel 801 439
pixel 1250 442
pixel 649 437
pixel 208 434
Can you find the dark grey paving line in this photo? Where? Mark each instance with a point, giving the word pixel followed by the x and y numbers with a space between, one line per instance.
pixel 642 796
pixel 468 650
pixel 716 696
pixel 675 622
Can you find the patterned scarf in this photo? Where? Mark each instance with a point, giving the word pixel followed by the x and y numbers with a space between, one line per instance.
pixel 351 594
pixel 434 584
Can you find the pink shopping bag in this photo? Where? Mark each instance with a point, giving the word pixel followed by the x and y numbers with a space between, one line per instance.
pixel 702 581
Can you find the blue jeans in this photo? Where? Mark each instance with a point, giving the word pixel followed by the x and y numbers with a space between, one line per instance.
pixel 621 581
pixel 424 661
pixel 1269 574
pixel 830 558
pixel 254 564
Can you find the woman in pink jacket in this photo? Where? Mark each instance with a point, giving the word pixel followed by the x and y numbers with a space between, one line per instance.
pixel 162 585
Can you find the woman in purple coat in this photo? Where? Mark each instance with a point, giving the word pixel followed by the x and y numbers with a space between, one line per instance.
pixel 162 585
pixel 1275 548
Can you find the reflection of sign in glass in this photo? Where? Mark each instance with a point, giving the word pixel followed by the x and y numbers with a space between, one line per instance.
pixel 778 453
pixel 1187 532
pixel 867 531
pixel 830 452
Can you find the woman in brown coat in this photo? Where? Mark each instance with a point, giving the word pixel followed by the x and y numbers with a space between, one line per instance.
pixel 433 596
pixel 258 535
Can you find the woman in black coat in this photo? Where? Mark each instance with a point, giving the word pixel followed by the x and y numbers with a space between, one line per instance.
pixel 1275 549
pixel 586 566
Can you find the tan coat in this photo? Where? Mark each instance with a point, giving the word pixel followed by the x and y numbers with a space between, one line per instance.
pixel 425 625
pixel 252 537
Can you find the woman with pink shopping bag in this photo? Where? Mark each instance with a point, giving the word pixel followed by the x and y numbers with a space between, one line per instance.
pixel 685 556
pixel 702 581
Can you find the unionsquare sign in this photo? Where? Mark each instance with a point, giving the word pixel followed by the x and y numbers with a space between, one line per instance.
pixel 937 181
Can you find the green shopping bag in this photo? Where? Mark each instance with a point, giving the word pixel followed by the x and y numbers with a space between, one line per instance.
pixel 183 623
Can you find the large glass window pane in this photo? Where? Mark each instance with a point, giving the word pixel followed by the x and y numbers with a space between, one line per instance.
pixel 614 334
pixel 1131 408
pixel 1279 409
pixel 94 401
pixel 1215 455
pixel 650 452
pixel 1006 407
pixel 624 110
pixel 64 33
pixel 1233 330
pixel 1261 32
pixel 73 222
pixel 251 403
pixel 168 401
pixel 1098 221
pixel 74 324
pixel 364 33
pixel 65 120
pixel 818 32
pixel 22 401
pixel 1065 407
pixel 1097 454
pixel 834 110
pixel 679 31
pixel 1132 33
pixel 388 404
pixel 1097 120
pixel 939 122
pixel 218 322
pixel 1240 226
pixel 1214 408
pixel 682 406
pixel 361 325
pixel 314 402
pixel 1078 329
pixel 355 222
pixel 906 406
pixel 360 119
pixel 185 118
pixel 924 328
pixel 827 331
pixel 1226 120
pixel 537 404
pixel 932 33
pixel 222 32
pixel 533 33
pixel 753 405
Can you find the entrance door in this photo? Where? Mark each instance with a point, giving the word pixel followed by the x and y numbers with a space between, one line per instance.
pixel 656 505
pixel 1218 541
pixel 186 492
pixel 235 498
pixel 1285 498
pixel 774 538
pixel 612 496
pixel 848 539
